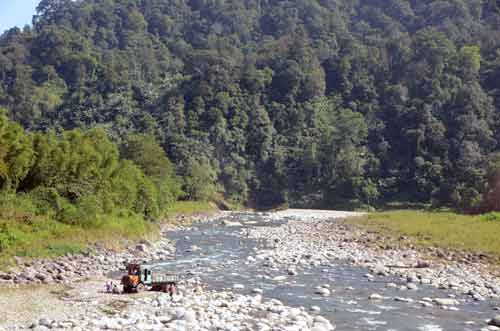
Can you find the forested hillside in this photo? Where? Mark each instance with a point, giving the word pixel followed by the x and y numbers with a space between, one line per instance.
pixel 311 102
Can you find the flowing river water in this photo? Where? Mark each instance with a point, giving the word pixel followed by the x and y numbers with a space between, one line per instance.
pixel 219 255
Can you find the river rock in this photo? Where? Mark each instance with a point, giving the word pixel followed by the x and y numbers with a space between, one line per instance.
pixel 425 304
pixel 412 286
pixel 375 296
pixel 194 248
pixel 279 278
pixel 190 316
pixel 251 259
pixel 230 223
pixel 401 299
pixel 422 264
pixel 323 291
pixel 495 321
pixel 45 322
pixel 141 248
pixel 445 301
pixel 180 313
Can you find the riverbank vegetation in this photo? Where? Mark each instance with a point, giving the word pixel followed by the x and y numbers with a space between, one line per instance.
pixel 445 230
pixel 60 193
pixel 45 237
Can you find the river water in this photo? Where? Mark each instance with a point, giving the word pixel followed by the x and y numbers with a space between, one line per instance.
pixel 219 256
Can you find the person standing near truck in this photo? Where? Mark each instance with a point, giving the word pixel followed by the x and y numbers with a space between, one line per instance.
pixel 171 290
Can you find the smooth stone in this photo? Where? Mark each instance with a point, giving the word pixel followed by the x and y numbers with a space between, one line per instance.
pixel 279 278
pixel 412 286
pixel 495 321
pixel 375 296
pixel 400 299
pixel 229 223
pixel 445 301
pixel 322 291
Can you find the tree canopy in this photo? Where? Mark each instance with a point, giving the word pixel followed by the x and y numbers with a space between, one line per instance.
pixel 317 102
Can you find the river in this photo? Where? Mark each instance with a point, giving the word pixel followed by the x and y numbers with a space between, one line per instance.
pixel 222 257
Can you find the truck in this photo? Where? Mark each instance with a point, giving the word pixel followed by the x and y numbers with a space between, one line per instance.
pixel 142 276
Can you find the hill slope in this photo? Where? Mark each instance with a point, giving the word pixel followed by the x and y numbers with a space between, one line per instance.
pixel 307 101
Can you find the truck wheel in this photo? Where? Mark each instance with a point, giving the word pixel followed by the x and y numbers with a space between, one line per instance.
pixel 140 288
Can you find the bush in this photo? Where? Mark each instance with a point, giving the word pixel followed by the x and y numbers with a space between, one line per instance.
pixel 46 200
pixel 18 207
pixel 7 237
pixel 89 212
pixel 200 180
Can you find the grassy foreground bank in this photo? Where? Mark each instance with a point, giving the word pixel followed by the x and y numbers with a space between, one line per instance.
pixel 440 229
pixel 44 237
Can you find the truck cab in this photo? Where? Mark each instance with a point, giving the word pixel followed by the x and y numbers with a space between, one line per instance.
pixel 137 277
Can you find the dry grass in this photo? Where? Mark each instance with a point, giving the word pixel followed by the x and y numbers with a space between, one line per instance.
pixel 441 229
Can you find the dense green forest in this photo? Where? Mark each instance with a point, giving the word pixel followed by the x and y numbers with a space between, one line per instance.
pixel 309 102
pixel 80 176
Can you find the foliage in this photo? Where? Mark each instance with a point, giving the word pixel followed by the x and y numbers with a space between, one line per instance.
pixel 16 154
pixel 317 103
pixel 79 177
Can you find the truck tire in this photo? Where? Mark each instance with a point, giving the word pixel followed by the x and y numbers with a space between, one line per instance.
pixel 140 288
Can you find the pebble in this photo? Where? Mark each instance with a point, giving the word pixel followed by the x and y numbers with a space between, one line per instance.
pixel 315 309
pixel 445 301
pixel 412 286
pixel 401 299
pixel 323 291
pixel 375 296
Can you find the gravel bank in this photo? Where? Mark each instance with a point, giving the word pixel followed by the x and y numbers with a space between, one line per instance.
pixel 84 306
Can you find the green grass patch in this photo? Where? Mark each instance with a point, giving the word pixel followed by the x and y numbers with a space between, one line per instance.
pixel 440 229
pixel 188 208
pixel 45 237
pixel 24 234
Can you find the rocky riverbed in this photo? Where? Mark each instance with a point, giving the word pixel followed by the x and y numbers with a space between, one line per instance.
pixel 321 237
pixel 83 306
pixel 286 271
